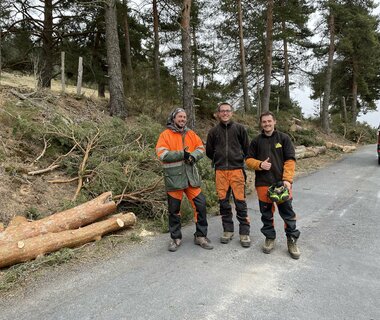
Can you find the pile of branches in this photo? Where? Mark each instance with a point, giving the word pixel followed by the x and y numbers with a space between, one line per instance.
pixel 110 154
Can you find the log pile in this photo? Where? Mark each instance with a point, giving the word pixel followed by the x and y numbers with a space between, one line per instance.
pixel 308 152
pixel 23 240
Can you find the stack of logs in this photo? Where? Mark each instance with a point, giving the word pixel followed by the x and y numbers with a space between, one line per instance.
pixel 25 240
pixel 308 152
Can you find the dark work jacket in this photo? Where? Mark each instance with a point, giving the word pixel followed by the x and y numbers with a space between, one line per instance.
pixel 227 146
pixel 279 148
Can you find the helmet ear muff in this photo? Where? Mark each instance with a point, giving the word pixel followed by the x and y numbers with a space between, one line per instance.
pixel 277 192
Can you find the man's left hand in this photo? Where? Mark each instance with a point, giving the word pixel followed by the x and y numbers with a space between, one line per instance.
pixel 287 184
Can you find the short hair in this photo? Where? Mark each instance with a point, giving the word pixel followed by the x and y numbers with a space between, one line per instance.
pixel 267 113
pixel 222 104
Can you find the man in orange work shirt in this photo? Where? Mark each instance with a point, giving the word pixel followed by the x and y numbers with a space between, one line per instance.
pixel 227 146
pixel 179 148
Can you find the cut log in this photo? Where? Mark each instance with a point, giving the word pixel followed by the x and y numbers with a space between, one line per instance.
pixel 303 152
pixel 28 249
pixel 344 148
pixel 295 127
pixel 300 151
pixel 84 214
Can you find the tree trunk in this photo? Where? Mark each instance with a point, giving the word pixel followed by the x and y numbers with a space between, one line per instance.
pixel 128 56
pixel 354 93
pixel 327 89
pixel 0 53
pixel 345 120
pixel 268 57
pixel 28 249
pixel 156 56
pixel 117 99
pixel 187 76
pixel 63 80
pixel 45 65
pixel 286 59
pixel 86 213
pixel 242 59
pixel 195 56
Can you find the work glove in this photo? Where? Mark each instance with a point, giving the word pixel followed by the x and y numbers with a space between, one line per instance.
pixel 189 159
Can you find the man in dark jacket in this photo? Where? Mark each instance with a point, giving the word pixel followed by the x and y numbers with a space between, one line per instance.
pixel 227 146
pixel 271 154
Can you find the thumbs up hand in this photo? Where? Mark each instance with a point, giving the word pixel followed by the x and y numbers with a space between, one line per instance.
pixel 266 165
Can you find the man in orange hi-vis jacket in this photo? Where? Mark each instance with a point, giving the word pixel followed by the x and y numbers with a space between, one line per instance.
pixel 271 154
pixel 179 148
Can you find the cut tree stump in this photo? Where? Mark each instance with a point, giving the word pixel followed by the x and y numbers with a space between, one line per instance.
pixel 19 228
pixel 28 249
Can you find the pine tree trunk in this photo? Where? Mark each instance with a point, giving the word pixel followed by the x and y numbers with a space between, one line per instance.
pixel 242 59
pixel 156 56
pixel 187 76
pixel 327 89
pixel 117 99
pixel 45 64
pixel 354 93
pixel 128 56
pixel 28 249
pixel 286 59
pixel 86 213
pixel 268 57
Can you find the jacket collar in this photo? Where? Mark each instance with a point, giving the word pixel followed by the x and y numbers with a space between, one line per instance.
pixel 228 125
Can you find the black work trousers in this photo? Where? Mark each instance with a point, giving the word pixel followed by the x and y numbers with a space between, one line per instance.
pixel 241 214
pixel 287 214
pixel 200 216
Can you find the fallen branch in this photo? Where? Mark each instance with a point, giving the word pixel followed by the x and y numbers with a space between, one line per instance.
pixel 28 249
pixel 51 168
pixel 82 167
pixel 138 192
pixel 23 97
pixel 43 151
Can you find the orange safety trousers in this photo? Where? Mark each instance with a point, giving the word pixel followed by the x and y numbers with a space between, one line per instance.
pixel 227 182
pixel 198 203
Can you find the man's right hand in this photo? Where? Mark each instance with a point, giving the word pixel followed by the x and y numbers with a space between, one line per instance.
pixel 186 154
pixel 266 165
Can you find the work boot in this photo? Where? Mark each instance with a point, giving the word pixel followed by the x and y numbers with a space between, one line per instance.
pixel 245 241
pixel 268 245
pixel 226 237
pixel 174 244
pixel 204 242
pixel 292 248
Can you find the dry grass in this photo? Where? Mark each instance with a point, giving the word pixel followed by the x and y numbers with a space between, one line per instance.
pixel 28 81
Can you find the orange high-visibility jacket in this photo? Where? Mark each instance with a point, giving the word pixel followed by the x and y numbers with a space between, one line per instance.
pixel 170 147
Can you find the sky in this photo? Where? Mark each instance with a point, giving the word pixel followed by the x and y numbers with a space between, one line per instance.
pixel 310 107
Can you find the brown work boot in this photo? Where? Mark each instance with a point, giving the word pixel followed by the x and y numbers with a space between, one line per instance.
pixel 292 248
pixel 268 245
pixel 174 244
pixel 245 240
pixel 204 242
pixel 226 237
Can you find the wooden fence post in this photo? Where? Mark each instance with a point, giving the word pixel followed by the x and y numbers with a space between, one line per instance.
pixel 80 74
pixel 63 71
